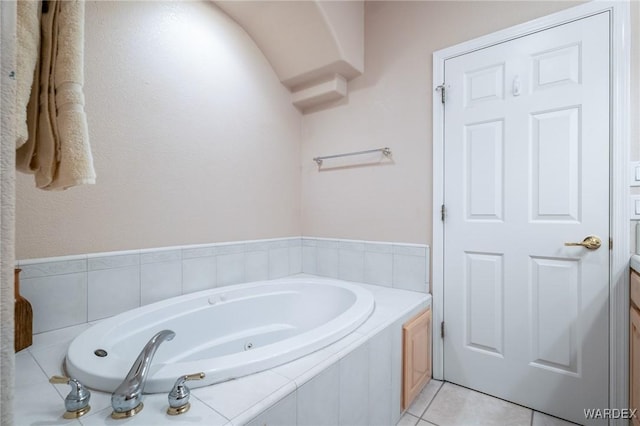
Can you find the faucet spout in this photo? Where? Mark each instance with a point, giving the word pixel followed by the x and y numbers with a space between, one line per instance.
pixel 126 400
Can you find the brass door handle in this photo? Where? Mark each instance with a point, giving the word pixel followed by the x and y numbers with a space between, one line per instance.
pixel 591 243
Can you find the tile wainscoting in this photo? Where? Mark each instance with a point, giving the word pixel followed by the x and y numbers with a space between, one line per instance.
pixel 73 290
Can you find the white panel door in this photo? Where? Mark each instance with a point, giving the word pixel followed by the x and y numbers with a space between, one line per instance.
pixel 526 169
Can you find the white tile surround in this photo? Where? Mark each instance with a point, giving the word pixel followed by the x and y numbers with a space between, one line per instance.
pixel 355 381
pixel 73 290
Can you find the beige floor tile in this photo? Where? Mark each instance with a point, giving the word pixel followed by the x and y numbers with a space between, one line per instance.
pixel 541 419
pixel 458 406
pixel 424 398
pixel 407 420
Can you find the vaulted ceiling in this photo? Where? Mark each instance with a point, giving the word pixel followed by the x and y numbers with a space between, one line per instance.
pixel 315 47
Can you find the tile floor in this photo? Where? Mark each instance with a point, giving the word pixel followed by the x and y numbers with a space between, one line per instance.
pixel 446 404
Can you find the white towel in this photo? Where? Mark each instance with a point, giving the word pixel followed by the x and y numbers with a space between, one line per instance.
pixel 75 165
pixel 28 39
pixel 58 149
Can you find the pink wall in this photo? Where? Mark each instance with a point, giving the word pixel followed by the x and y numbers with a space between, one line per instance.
pixel 390 105
pixel 194 138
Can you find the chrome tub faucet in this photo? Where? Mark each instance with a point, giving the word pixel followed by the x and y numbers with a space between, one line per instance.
pixel 126 400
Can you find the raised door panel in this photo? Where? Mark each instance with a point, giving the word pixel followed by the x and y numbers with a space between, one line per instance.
pixel 555 300
pixel 483 298
pixel 556 165
pixel 483 168
pixel 416 335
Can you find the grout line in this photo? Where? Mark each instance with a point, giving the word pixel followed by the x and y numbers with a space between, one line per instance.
pixel 296 404
pixel 44 373
pixel 417 419
pixel 406 413
pixel 283 376
pixel 268 407
pixel 431 402
pixel 140 282
pixel 210 407
pixel 86 314
pixel 569 422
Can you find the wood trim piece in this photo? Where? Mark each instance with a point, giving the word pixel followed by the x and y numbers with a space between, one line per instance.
pixel 416 349
pixel 634 362
pixel 635 288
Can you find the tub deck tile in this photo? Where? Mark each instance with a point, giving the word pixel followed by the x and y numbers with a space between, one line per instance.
pixel 55 337
pixel 155 413
pixel 282 412
pixel 268 404
pixel 40 404
pixel 236 396
pixel 295 369
pixel 389 302
pixel 29 372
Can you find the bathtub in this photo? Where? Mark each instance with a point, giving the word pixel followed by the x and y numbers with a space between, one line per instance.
pixel 226 332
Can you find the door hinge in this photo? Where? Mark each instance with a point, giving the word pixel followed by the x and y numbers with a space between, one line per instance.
pixel 442 329
pixel 443 212
pixel 610 243
pixel 442 89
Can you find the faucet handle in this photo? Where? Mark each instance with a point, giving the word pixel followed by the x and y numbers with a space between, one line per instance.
pixel 179 395
pixel 77 402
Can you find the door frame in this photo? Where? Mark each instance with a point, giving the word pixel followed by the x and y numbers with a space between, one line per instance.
pixel 620 63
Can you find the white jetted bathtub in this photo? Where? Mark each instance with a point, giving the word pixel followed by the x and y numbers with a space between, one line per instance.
pixel 225 332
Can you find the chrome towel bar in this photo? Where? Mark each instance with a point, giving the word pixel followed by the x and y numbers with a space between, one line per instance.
pixel 385 151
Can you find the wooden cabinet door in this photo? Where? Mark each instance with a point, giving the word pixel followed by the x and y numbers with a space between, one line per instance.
pixel 416 335
pixel 634 289
pixel 634 362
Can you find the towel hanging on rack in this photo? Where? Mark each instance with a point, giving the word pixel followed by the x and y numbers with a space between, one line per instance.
pixel 57 150
pixel 27 47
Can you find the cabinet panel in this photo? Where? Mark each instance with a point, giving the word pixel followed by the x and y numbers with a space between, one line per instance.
pixel 416 335
pixel 635 288
pixel 634 362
